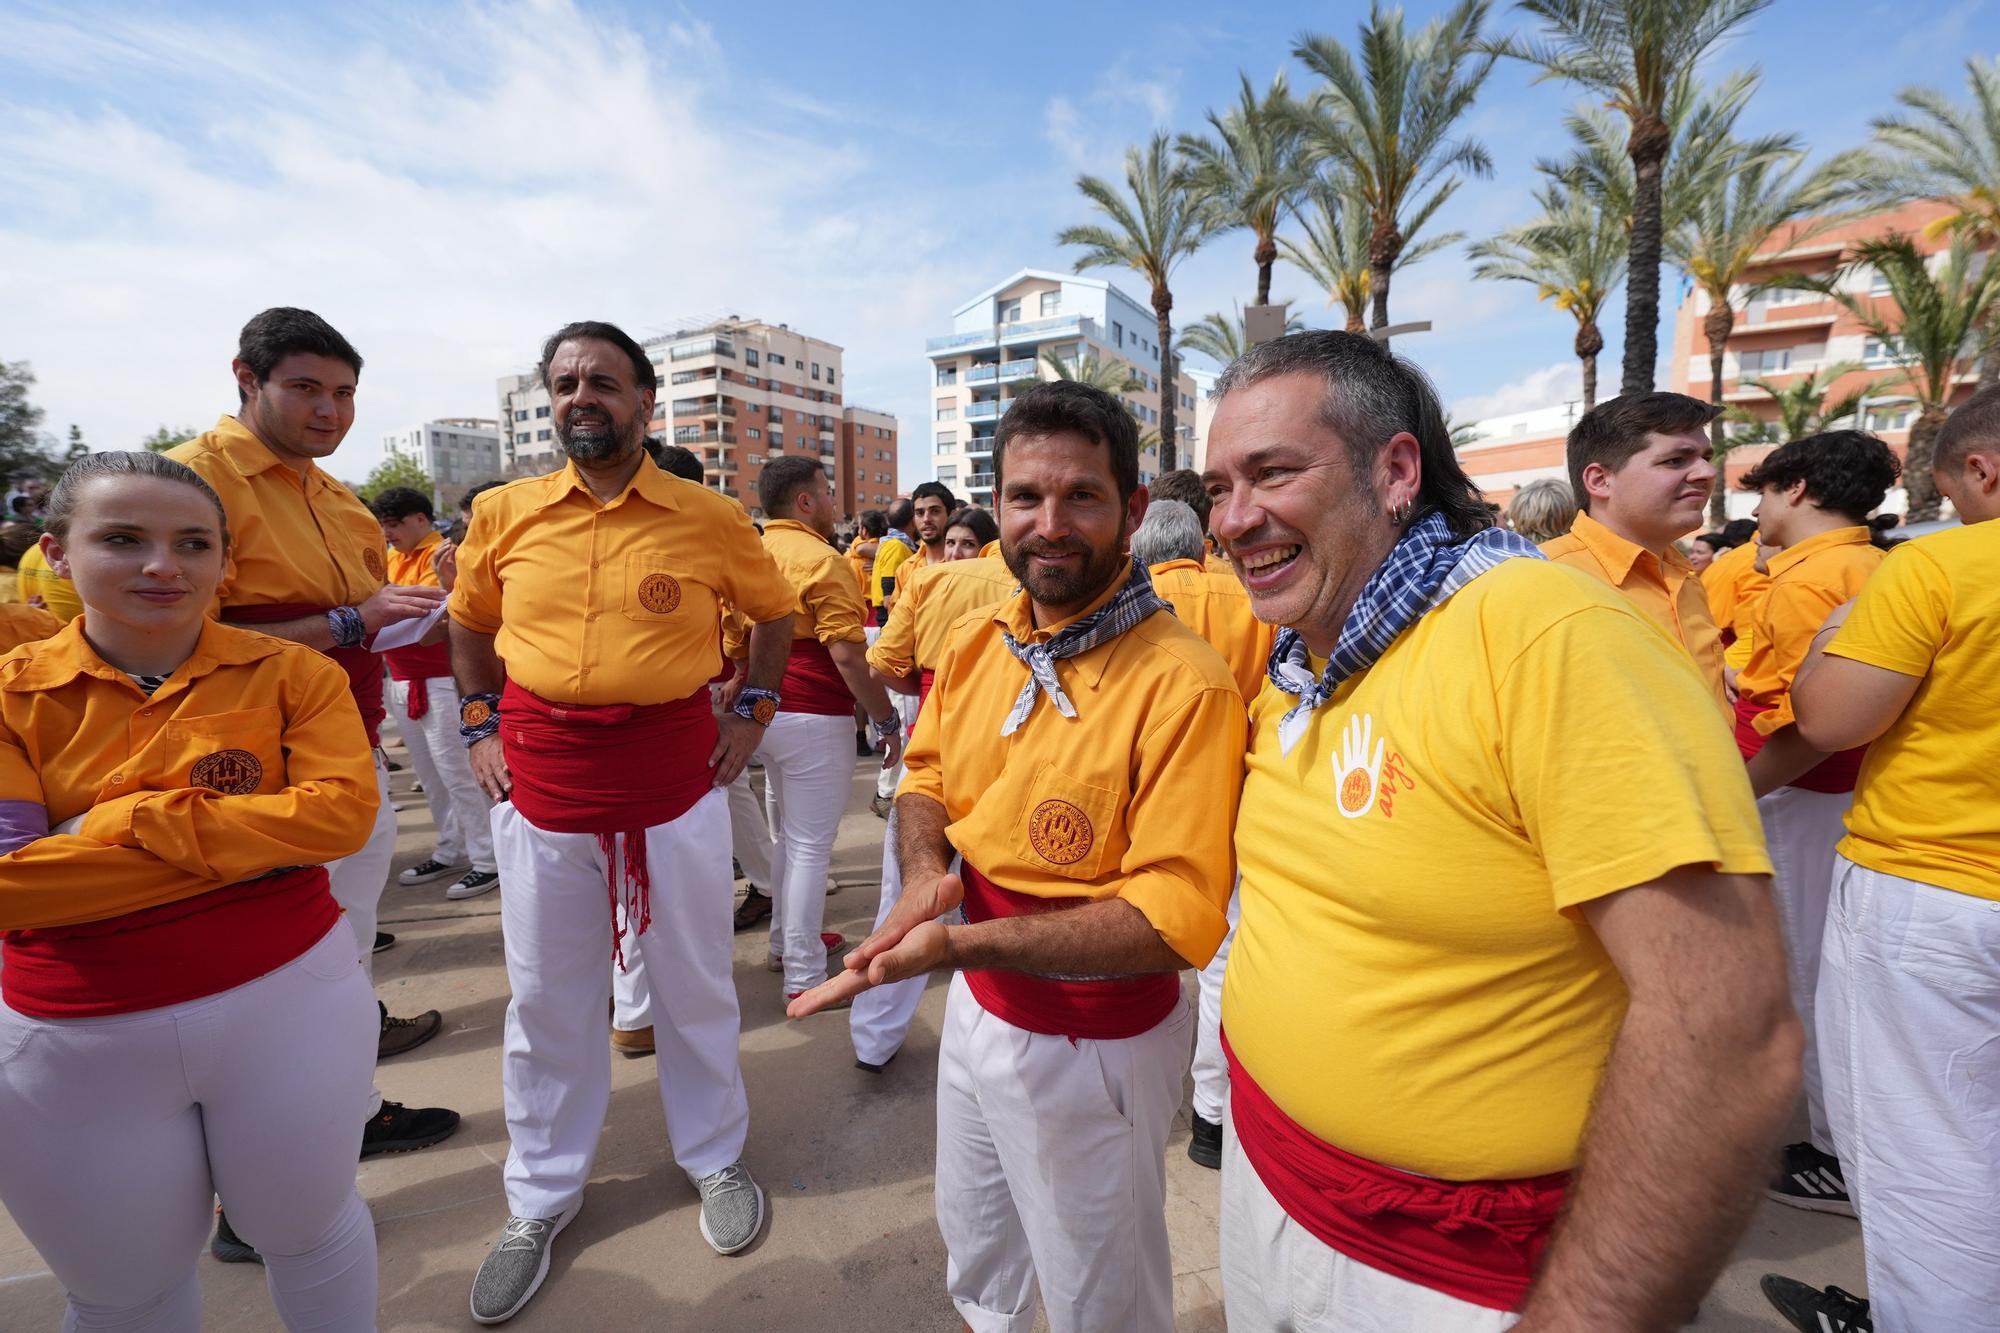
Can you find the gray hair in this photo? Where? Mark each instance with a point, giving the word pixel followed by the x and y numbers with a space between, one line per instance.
pixel 1170 532
pixel 1371 396
pixel 123 463
pixel 1542 510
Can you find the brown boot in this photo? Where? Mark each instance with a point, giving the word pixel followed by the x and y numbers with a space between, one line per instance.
pixel 632 1044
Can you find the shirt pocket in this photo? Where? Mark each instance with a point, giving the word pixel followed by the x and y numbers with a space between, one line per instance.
pixel 658 589
pixel 1070 827
pixel 239 753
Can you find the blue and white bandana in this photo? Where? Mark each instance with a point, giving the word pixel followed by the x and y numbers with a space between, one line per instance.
pixel 1427 565
pixel 1133 603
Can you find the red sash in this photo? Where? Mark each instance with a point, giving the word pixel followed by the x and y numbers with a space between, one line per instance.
pixel 1477 1241
pixel 363 667
pixel 415 665
pixel 812 683
pixel 926 678
pixel 1835 773
pixel 170 954
pixel 1103 1010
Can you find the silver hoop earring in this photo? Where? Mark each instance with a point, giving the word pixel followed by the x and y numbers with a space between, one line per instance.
pixel 1401 513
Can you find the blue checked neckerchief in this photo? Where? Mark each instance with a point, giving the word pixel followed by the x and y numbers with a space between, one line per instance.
pixel 1133 603
pixel 1427 565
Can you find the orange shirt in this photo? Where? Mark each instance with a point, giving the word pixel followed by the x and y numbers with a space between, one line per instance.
pixel 1734 586
pixel 20 623
pixel 1667 592
pixel 1808 580
pixel 608 603
pixel 1159 733
pixel 414 569
pixel 929 605
pixel 828 605
pixel 248 759
pixel 293 538
pixel 857 564
pixel 1216 564
pixel 1216 607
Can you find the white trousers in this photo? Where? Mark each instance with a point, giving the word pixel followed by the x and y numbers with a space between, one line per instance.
pixel 889 779
pixel 1801 829
pixel 880 1018
pixel 555 917
pixel 1909 1027
pixel 459 808
pixel 1277 1277
pixel 808 769
pixel 1211 1066
pixel 120 1131
pixel 356 883
pixel 1051 1172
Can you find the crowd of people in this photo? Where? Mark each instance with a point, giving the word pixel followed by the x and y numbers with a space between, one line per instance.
pixel 1537 874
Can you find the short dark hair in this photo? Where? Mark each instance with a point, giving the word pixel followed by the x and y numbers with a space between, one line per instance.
pixel 779 484
pixel 934 490
pixel 982 524
pixel 401 502
pixel 874 522
pixel 282 331
pixel 465 501
pixel 642 368
pixel 1973 424
pixel 1371 396
pixel 682 463
pixel 1183 484
pixel 1715 540
pixel 1070 407
pixel 1610 433
pixel 901 515
pixel 123 463
pixel 1846 472
pixel 1738 530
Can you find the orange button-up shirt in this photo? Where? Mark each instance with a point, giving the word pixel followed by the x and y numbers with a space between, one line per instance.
pixel 1808 580
pixel 929 605
pixel 1216 607
pixel 250 758
pixel 829 606
pixel 1735 586
pixel 610 603
pixel 20 623
pixel 414 568
pixel 1667 592
pixel 1159 732
pixel 304 539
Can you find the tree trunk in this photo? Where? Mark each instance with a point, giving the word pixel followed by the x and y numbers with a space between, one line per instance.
pixel 1266 256
pixel 1355 323
pixel 1648 149
pixel 1989 356
pixel 1384 244
pixel 1721 319
pixel 1917 480
pixel 1589 342
pixel 1163 309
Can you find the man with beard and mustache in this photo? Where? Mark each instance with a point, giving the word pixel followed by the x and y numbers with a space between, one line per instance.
pixel 586 626
pixel 1069 735
pixel 931 507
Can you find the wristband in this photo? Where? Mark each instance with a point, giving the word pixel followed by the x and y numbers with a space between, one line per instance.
pixel 346 626
pixel 478 717
pixel 759 706
pixel 880 733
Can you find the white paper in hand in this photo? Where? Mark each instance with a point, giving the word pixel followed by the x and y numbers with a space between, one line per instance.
pixel 405 633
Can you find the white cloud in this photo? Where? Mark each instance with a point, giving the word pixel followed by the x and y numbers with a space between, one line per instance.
pixel 1546 387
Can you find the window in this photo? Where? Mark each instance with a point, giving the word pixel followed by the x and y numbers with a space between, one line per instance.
pixel 947 375
pixel 687 434
pixel 947 446
pixel 944 437
pixel 815 366
pixel 754 433
pixel 881 455
pixel 1769 361
pixel 521 414
pixel 752 381
pixel 1117 334
pixel 749 357
pixel 1008 311
pixel 685 377
pixel 1051 304
pixel 777 413
pixel 777 360
pixel 947 413
pixel 1877 353
pixel 543 434
pixel 829 374
pixel 1887 415
pixel 1878 283
pixel 947 472
pixel 804 418
pixel 755 460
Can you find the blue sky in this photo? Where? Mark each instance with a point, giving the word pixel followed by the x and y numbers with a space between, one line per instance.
pixel 448 182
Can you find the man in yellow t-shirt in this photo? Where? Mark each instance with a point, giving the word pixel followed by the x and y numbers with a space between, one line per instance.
pixel 43 587
pixel 1909 984
pixel 1506 946
pixel 1735 586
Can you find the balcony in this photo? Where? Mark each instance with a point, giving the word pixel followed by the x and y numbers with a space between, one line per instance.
pixel 1018 370
pixel 985 411
pixel 1035 329
pixel 979 481
pixel 704 407
pixel 979 444
pixel 718 465
pixel 689 436
pixel 687 351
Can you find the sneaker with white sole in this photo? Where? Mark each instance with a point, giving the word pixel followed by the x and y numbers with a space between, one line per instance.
pixel 1811 1179
pixel 1813 1310
pixel 426 870
pixel 732 1208
pixel 514 1268
pixel 472 884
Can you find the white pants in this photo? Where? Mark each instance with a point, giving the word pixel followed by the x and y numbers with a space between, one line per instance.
pixel 356 883
pixel 1211 1066
pixel 1051 1172
pixel 458 807
pixel 880 1018
pixel 808 768
pixel 555 918
pixel 1909 1025
pixel 1277 1277
pixel 1801 829
pixel 889 779
pixel 120 1131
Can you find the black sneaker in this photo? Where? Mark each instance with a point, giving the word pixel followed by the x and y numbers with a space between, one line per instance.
pixel 1811 1310
pixel 473 883
pixel 400 1035
pixel 383 939
pixel 400 1128
pixel 1205 1144
pixel 754 908
pixel 1811 1179
pixel 874 1068
pixel 426 870
pixel 228 1247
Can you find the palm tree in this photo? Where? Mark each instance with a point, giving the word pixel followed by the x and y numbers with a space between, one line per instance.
pixel 1335 253
pixel 1573 255
pixel 1222 338
pixel 1385 121
pixel 1114 377
pixel 1155 228
pixel 1250 173
pixel 1806 406
pixel 1631 53
pixel 1940 324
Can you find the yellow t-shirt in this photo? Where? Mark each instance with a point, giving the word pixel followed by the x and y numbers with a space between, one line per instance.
pixel 1411 980
pixel 36 579
pixel 1927 803
pixel 889 553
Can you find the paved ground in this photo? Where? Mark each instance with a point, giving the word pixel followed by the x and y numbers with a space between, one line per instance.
pixel 844 1155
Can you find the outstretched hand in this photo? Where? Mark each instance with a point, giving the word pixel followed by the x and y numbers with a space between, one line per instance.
pixel 910 943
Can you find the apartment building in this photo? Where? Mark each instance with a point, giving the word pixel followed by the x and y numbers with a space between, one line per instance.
pixel 995 351
pixel 1507 452
pixel 868 444
pixel 455 453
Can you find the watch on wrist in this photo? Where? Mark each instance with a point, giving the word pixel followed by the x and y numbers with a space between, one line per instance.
pixel 759 706
pixel 888 728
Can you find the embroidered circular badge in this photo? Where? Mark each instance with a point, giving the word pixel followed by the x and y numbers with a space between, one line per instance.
pixel 373 559
pixel 659 593
pixel 1060 832
pixel 762 711
pixel 474 713
pixel 231 772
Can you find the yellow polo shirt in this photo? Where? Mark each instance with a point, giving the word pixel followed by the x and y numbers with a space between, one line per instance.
pixel 1735 586
pixel 1808 580
pixel 609 603
pixel 1927 804
pixel 889 554
pixel 930 604
pixel 1158 735
pixel 36 579
pixel 1216 607
pixel 828 604
pixel 1411 979
pixel 414 568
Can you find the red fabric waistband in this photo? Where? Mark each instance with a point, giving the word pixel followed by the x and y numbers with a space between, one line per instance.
pixel 422 661
pixel 606 768
pixel 1098 1010
pixel 363 668
pixel 926 678
pixel 1835 773
pixel 812 683
pixel 1477 1241
pixel 169 954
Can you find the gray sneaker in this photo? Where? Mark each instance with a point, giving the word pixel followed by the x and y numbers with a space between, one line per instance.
pixel 732 1209
pixel 514 1268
